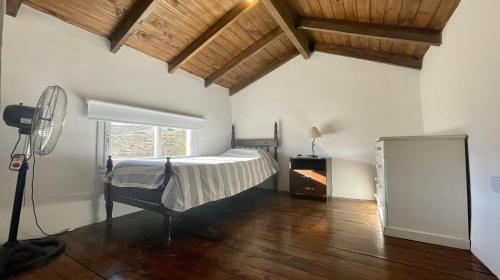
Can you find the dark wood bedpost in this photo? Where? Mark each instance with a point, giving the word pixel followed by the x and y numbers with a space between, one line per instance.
pixel 107 192
pixel 275 153
pixel 168 215
pixel 168 172
pixel 233 137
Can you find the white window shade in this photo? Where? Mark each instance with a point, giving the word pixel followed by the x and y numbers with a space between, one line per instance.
pixel 105 111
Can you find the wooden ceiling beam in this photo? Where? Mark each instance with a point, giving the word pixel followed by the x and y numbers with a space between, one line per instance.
pixel 210 34
pixel 12 7
pixel 139 12
pixel 366 54
pixel 369 30
pixel 244 55
pixel 286 18
pixel 269 68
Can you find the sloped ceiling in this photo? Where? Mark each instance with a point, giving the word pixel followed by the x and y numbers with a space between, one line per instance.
pixel 233 43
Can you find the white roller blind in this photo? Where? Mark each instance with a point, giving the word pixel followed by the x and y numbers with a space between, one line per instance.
pixel 105 111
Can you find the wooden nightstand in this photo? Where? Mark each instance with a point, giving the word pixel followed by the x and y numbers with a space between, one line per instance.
pixel 308 177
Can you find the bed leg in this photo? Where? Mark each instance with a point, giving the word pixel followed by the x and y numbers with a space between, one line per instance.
pixel 109 205
pixel 107 193
pixel 167 227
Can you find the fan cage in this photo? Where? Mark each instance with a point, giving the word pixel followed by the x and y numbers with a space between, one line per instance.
pixel 49 120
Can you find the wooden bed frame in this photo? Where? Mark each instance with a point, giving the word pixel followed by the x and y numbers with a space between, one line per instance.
pixel 151 199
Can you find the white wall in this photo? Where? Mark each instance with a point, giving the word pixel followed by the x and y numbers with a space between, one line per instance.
pixel 353 179
pixel 2 11
pixel 40 50
pixel 461 94
pixel 352 102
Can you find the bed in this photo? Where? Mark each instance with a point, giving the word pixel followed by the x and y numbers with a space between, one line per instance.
pixel 172 186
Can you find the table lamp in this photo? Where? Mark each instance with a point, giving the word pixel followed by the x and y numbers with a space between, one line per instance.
pixel 314 133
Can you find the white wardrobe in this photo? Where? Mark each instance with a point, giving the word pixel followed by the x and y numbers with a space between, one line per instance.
pixel 422 189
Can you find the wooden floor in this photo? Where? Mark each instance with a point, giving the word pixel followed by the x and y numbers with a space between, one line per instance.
pixel 257 235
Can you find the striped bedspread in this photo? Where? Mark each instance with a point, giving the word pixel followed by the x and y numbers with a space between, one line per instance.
pixel 198 180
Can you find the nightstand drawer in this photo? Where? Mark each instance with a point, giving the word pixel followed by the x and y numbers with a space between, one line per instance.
pixel 308 177
pixel 306 182
pixel 309 190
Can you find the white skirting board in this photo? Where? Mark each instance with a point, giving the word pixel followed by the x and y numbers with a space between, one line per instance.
pixel 428 237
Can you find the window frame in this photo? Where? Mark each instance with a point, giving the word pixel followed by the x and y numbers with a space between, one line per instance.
pixel 103 143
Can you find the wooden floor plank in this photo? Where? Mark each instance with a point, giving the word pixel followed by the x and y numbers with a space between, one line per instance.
pixel 257 235
pixel 326 244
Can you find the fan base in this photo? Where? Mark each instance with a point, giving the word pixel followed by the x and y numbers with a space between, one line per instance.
pixel 20 256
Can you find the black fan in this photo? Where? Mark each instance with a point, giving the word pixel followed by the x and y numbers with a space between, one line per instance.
pixel 41 127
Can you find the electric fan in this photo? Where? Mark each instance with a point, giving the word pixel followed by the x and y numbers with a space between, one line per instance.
pixel 40 127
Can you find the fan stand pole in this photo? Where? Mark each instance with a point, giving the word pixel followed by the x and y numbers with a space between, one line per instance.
pixel 17 256
pixel 18 203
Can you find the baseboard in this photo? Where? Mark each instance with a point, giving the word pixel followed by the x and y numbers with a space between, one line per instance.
pixel 428 237
pixel 351 199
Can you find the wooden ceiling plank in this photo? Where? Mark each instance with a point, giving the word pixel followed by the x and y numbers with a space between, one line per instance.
pixel 408 12
pixel 338 9
pixel 377 11
pixel 414 35
pixel 78 13
pixel 12 7
pixel 366 54
pixel 209 35
pixel 243 56
pixel 269 68
pixel 392 10
pixel 425 13
pixel 350 10
pixel 285 18
pixel 443 14
pixel 363 10
pixel 131 22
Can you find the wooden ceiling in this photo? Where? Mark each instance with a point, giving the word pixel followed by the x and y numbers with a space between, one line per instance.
pixel 233 43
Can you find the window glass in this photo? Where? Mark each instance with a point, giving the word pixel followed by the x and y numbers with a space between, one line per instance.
pixel 132 141
pixel 145 141
pixel 173 142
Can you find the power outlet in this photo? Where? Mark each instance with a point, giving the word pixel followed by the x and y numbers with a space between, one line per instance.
pixel 495 184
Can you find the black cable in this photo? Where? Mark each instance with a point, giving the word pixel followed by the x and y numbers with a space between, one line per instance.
pixel 33 198
pixel 15 146
pixel 33 194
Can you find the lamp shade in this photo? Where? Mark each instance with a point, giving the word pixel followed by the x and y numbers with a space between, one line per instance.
pixel 314 132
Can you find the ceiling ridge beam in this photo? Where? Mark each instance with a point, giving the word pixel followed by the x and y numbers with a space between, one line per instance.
pixel 244 55
pixel 269 68
pixel 210 34
pixel 132 20
pixel 286 17
pixel 380 31
pixel 371 55
pixel 12 7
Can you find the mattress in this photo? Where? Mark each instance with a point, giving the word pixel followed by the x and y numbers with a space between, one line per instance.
pixel 198 180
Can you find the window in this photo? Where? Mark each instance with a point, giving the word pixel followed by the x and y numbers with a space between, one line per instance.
pixel 137 141
pixel 131 132
pixel 126 140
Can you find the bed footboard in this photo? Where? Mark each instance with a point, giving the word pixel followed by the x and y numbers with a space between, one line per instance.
pixel 112 194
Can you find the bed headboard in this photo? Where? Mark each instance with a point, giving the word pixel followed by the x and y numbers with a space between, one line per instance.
pixel 267 144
